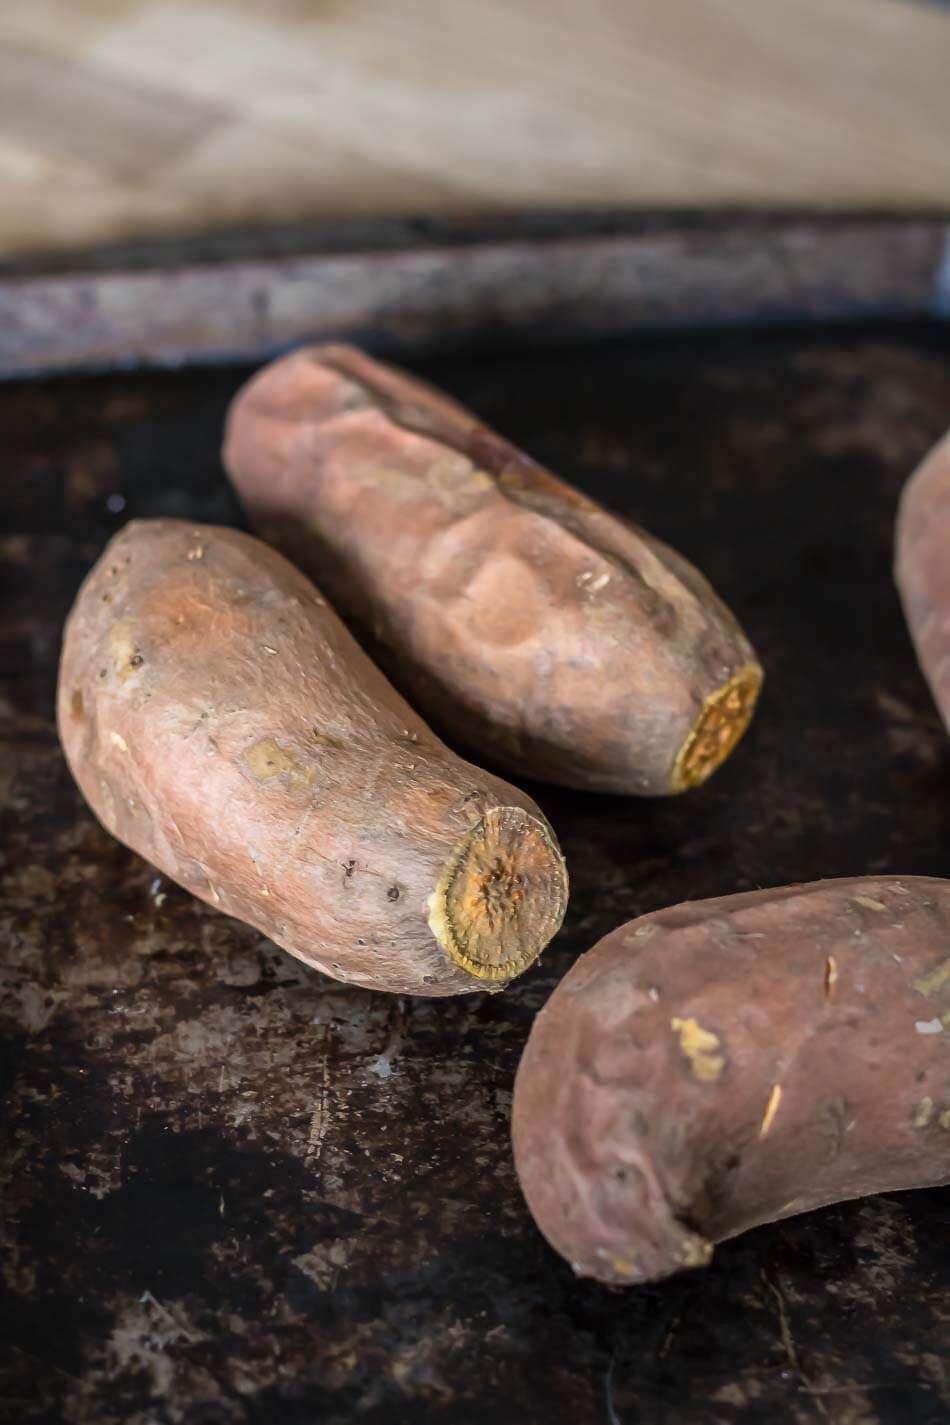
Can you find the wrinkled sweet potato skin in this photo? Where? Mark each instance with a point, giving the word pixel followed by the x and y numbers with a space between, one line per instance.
pixel 221 721
pixel 730 1062
pixel 530 624
pixel 923 568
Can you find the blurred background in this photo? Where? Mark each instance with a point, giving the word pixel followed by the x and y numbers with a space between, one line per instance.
pixel 136 118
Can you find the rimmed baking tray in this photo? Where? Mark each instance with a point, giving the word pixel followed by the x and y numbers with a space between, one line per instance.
pixel 237 1191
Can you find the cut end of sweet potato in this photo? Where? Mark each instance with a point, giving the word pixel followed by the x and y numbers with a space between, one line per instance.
pixel 501 896
pixel 725 715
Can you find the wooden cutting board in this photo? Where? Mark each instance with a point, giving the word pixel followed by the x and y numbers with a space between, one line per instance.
pixel 124 118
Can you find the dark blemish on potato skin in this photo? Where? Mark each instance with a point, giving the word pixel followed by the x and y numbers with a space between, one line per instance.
pixel 325 739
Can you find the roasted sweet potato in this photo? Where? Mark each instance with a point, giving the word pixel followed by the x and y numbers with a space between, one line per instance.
pixel 530 624
pixel 222 722
pixel 730 1062
pixel 923 568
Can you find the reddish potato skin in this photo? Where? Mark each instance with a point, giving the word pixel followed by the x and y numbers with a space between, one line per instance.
pixel 922 568
pixel 222 722
pixel 730 1062
pixel 530 624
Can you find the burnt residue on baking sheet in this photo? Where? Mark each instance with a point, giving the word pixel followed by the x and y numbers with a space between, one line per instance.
pixel 235 1191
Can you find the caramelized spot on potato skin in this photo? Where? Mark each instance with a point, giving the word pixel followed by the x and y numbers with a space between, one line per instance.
pixel 124 647
pixel 267 759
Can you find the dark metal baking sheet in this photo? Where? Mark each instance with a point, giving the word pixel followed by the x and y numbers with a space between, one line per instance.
pixel 238 1192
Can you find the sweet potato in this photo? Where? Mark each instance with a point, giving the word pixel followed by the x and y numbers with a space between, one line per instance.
pixel 730 1062
pixel 922 568
pixel 222 722
pixel 530 624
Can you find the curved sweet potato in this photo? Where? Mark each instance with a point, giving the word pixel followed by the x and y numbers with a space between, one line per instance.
pixel 730 1062
pixel 529 623
pixel 922 568
pixel 222 722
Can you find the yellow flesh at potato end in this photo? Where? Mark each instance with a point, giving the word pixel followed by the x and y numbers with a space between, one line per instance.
pixel 723 719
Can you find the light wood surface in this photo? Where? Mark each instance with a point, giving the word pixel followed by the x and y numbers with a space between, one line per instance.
pixel 125 118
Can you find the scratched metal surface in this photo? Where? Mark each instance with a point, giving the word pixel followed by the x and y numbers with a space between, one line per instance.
pixel 237 1192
